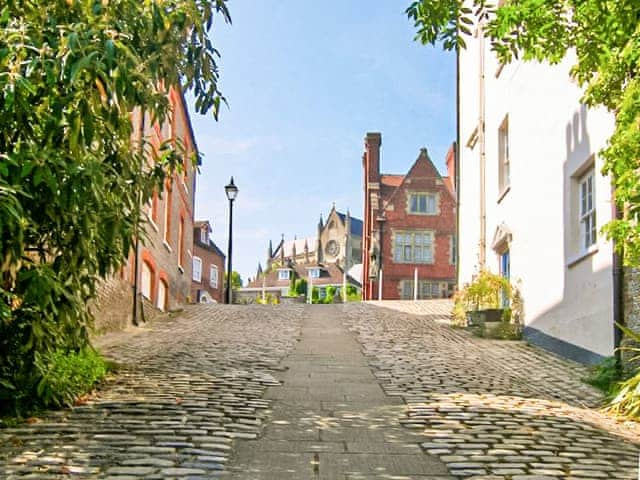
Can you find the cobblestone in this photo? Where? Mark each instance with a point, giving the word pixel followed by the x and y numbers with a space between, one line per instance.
pixel 473 399
pixel 187 387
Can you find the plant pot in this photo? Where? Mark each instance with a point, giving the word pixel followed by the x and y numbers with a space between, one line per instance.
pixel 480 317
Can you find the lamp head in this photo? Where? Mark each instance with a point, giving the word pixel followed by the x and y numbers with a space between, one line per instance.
pixel 231 190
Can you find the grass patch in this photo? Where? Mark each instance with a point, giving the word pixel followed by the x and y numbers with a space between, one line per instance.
pixel 606 376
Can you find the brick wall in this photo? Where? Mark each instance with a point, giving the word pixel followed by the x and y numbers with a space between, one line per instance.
pixel 113 305
pixel 387 198
pixel 208 258
pixel 422 178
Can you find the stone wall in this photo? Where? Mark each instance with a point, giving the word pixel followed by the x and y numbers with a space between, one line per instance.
pixel 113 307
pixel 631 305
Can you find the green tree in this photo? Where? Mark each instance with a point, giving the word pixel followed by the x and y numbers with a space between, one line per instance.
pixel 606 37
pixel 72 180
pixel 236 280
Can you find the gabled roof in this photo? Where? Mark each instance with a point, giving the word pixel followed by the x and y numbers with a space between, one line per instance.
pixel 424 155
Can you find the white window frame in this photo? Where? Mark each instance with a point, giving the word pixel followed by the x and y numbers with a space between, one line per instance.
pixel 504 162
pixel 146 280
pixel 430 203
pixel 284 274
pixel 213 276
pixel 163 293
pixel 314 273
pixel 196 274
pixel 587 210
pixel 410 246
pixel 204 236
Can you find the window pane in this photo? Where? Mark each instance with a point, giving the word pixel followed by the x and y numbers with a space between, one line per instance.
pixel 398 253
pixel 431 206
pixel 414 203
pixel 418 254
pixel 407 253
pixel 435 290
pixel 423 203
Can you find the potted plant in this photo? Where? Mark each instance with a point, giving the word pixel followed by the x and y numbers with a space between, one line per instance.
pixel 491 305
pixel 482 300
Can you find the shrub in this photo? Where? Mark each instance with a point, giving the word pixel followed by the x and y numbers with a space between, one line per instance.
pixel 64 376
pixel 605 376
pixel 486 292
pixel 352 294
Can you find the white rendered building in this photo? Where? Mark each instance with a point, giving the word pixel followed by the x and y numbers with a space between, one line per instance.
pixel 535 214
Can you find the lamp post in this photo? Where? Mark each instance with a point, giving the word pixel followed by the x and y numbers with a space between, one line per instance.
pixel 232 192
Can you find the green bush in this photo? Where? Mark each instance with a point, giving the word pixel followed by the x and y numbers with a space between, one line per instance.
pixel 352 294
pixel 605 376
pixel 65 376
pixel 504 331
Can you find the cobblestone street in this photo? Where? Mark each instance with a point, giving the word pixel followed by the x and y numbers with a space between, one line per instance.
pixel 358 391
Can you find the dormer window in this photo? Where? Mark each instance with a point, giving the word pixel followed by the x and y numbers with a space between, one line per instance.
pixel 422 203
pixel 284 274
pixel 204 235
pixel 314 272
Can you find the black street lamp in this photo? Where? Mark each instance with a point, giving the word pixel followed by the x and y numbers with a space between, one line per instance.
pixel 232 192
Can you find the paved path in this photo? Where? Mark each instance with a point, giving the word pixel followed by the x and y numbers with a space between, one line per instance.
pixel 493 409
pixel 311 392
pixel 331 419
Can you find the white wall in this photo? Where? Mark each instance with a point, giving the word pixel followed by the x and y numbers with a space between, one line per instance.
pixel 551 136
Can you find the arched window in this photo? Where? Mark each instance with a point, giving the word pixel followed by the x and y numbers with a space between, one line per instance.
pixel 146 281
pixel 163 295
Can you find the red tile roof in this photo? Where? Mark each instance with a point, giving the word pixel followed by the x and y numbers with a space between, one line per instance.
pixel 391 180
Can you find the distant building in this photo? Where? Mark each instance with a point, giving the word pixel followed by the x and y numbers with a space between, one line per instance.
pixel 324 260
pixel 208 266
pixel 338 241
pixel 409 229
pixel 163 261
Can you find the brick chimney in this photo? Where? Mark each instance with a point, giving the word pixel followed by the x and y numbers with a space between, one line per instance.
pixel 371 158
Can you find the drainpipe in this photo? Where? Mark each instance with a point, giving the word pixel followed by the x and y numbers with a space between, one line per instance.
pixel 618 297
pixel 481 140
pixel 136 253
pixel 456 167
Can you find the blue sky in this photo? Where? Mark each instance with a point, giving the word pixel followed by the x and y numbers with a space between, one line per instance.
pixel 305 81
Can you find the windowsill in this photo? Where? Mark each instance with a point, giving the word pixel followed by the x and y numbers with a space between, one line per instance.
pixel 197 281
pixel 503 194
pixel 423 214
pixel 181 270
pixel 582 256
pixel 167 246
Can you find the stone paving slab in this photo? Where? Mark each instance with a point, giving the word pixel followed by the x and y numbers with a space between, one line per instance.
pixel 338 421
pixel 492 409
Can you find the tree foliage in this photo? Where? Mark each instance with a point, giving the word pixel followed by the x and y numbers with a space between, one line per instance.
pixel 72 174
pixel 605 34
pixel 236 280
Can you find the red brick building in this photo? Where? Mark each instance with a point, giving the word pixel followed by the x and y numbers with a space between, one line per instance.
pixel 207 282
pixel 163 261
pixel 409 229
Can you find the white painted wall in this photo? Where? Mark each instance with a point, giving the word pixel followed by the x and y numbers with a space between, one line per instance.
pixel 551 136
